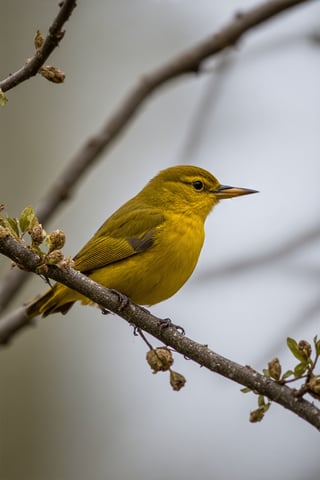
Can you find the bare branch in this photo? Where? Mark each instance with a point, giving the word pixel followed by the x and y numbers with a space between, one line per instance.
pixel 51 41
pixel 144 320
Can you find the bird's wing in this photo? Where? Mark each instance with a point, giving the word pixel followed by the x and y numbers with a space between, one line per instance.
pixel 123 235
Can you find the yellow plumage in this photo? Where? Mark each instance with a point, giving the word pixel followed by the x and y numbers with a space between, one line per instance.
pixel 149 247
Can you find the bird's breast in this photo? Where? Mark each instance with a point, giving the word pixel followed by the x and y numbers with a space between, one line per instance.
pixel 180 239
pixel 175 252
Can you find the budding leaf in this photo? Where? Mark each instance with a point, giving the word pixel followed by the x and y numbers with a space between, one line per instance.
pixel 294 349
pixel 13 225
pixel 3 98
pixel 317 345
pixel 246 390
pixel 257 415
pixel 27 219
pixel 300 369
pixel 274 368
pixel 287 374
pixel 38 40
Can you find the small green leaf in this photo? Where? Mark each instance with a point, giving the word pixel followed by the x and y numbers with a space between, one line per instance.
pixel 261 401
pixel 266 372
pixel 317 344
pixel 3 99
pixel 13 225
pixel 27 219
pixel 294 349
pixel 300 369
pixel 38 250
pixel 267 406
pixel 47 242
pixel 245 390
pixel 287 374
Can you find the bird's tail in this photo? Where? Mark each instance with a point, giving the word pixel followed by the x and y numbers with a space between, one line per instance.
pixel 52 301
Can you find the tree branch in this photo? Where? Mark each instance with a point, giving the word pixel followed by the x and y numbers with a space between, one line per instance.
pixel 51 41
pixel 186 62
pixel 144 320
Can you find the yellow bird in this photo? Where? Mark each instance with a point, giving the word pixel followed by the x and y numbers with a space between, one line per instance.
pixel 150 246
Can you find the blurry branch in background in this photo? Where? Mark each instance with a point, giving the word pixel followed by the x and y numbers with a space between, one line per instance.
pixel 188 62
pixel 143 320
pixel 46 47
pixel 273 255
pixel 206 105
pixel 270 258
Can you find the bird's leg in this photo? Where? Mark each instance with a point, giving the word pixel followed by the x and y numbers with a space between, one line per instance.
pixel 166 322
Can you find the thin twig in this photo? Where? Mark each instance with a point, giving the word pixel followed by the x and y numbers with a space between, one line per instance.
pixel 52 40
pixel 170 336
pixel 272 255
pixel 186 62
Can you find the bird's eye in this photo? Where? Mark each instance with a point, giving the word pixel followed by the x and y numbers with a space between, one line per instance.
pixel 198 185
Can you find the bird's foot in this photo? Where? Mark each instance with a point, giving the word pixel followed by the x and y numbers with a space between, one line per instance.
pixel 123 299
pixel 166 322
pixel 105 311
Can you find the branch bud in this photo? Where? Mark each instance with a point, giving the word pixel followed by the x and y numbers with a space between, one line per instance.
pixel 55 257
pixel 274 368
pixel 177 381
pixel 56 240
pixel 159 359
pixel 314 385
pixel 305 348
pixel 38 40
pixel 257 415
pixel 53 74
pixel 37 234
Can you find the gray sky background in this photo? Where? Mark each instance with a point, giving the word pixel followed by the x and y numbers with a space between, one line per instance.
pixel 78 399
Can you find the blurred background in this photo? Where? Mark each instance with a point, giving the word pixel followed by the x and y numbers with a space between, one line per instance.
pixel 78 399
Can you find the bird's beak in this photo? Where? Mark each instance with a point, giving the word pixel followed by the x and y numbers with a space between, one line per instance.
pixel 225 191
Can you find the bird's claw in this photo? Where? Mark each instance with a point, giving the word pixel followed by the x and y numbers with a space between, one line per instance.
pixel 123 299
pixel 166 322
pixel 104 311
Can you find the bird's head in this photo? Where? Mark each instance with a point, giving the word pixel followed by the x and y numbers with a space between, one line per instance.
pixel 186 189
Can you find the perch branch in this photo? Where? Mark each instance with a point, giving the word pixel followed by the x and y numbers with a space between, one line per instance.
pixel 144 320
